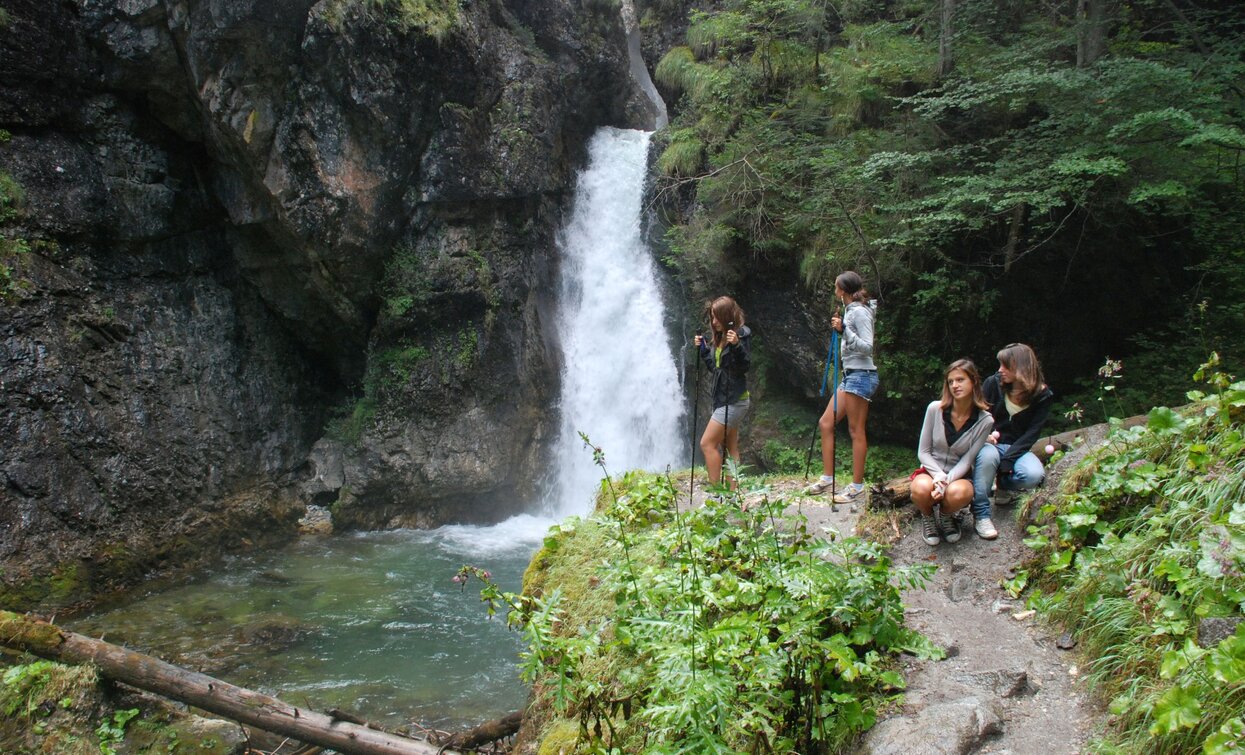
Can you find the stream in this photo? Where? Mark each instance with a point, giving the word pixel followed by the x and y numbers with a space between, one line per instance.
pixel 369 623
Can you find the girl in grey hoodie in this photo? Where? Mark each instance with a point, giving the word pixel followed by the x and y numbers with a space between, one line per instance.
pixel 853 394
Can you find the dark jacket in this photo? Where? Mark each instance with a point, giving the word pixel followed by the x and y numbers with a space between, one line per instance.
pixel 730 381
pixel 1022 430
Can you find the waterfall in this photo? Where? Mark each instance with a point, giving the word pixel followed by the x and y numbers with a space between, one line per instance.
pixel 635 62
pixel 620 384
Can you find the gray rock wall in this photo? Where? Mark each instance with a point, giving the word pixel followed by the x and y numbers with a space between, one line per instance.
pixel 240 217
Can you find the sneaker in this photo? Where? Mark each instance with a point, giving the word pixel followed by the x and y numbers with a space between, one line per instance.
pixel 819 487
pixel 1006 497
pixel 850 494
pixel 985 528
pixel 929 530
pixel 951 526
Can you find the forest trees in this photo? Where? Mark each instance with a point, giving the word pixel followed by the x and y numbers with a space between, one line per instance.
pixel 1067 173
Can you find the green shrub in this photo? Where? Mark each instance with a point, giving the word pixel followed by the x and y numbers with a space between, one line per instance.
pixel 1147 539
pixel 719 629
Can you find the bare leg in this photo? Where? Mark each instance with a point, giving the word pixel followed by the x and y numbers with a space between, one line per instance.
pixel 711 447
pixel 732 447
pixel 958 495
pixel 857 410
pixel 826 425
pixel 923 494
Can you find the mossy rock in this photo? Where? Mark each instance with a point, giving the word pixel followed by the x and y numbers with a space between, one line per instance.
pixel 560 738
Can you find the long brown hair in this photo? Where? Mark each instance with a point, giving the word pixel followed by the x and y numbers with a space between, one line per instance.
pixel 968 368
pixel 728 313
pixel 1026 371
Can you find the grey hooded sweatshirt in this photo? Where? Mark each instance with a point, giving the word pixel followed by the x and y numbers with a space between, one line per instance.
pixel 858 336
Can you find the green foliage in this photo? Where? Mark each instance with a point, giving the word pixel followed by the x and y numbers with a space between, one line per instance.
pixel 1147 540
pixel 111 732
pixel 434 18
pixel 393 368
pixel 818 138
pixel 12 250
pixel 36 688
pixel 349 424
pixel 719 629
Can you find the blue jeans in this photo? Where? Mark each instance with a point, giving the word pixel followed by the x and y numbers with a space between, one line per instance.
pixel 1026 475
pixel 863 383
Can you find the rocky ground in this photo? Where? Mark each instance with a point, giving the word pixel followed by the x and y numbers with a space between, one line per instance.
pixel 1004 687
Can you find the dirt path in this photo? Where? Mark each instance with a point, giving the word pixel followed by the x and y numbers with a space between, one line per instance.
pixel 1004 687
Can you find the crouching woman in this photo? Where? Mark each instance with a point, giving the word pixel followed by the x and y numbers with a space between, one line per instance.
pixel 956 427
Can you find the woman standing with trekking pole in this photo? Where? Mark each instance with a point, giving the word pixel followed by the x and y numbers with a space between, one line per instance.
pixel 852 397
pixel 727 353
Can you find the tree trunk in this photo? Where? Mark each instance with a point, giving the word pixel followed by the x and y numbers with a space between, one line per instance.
pixel 1091 37
pixel 1013 236
pixel 945 33
pixel 202 691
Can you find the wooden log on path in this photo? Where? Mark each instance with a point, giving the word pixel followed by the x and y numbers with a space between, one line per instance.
pixel 213 695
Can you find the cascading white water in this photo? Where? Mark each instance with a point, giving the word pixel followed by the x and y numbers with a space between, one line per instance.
pixel 620 385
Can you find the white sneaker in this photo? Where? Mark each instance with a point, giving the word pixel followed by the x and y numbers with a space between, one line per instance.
pixel 985 528
pixel 850 494
pixel 819 487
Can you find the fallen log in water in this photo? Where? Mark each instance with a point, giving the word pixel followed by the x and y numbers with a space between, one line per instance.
pixel 213 695
pixel 490 731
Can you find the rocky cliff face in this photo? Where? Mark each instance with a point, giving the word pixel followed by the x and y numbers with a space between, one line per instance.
pixel 230 221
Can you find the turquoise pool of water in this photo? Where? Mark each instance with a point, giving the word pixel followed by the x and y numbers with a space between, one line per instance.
pixel 369 623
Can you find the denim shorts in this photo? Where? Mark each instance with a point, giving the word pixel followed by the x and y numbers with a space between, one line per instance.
pixel 733 415
pixel 863 383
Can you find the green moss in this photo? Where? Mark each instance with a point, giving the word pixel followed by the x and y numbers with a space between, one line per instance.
pixel 560 737
pixel 394 367
pixel 349 424
pixel 22 632
pixel 434 18
pixel 60 586
pixel 65 581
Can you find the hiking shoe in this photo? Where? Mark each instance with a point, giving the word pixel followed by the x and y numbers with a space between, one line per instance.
pixel 951 527
pixel 850 494
pixel 929 530
pixel 985 528
pixel 819 487
pixel 1004 497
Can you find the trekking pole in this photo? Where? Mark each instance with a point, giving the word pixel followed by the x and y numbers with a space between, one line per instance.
pixel 726 418
pixel 691 483
pixel 832 356
pixel 834 401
